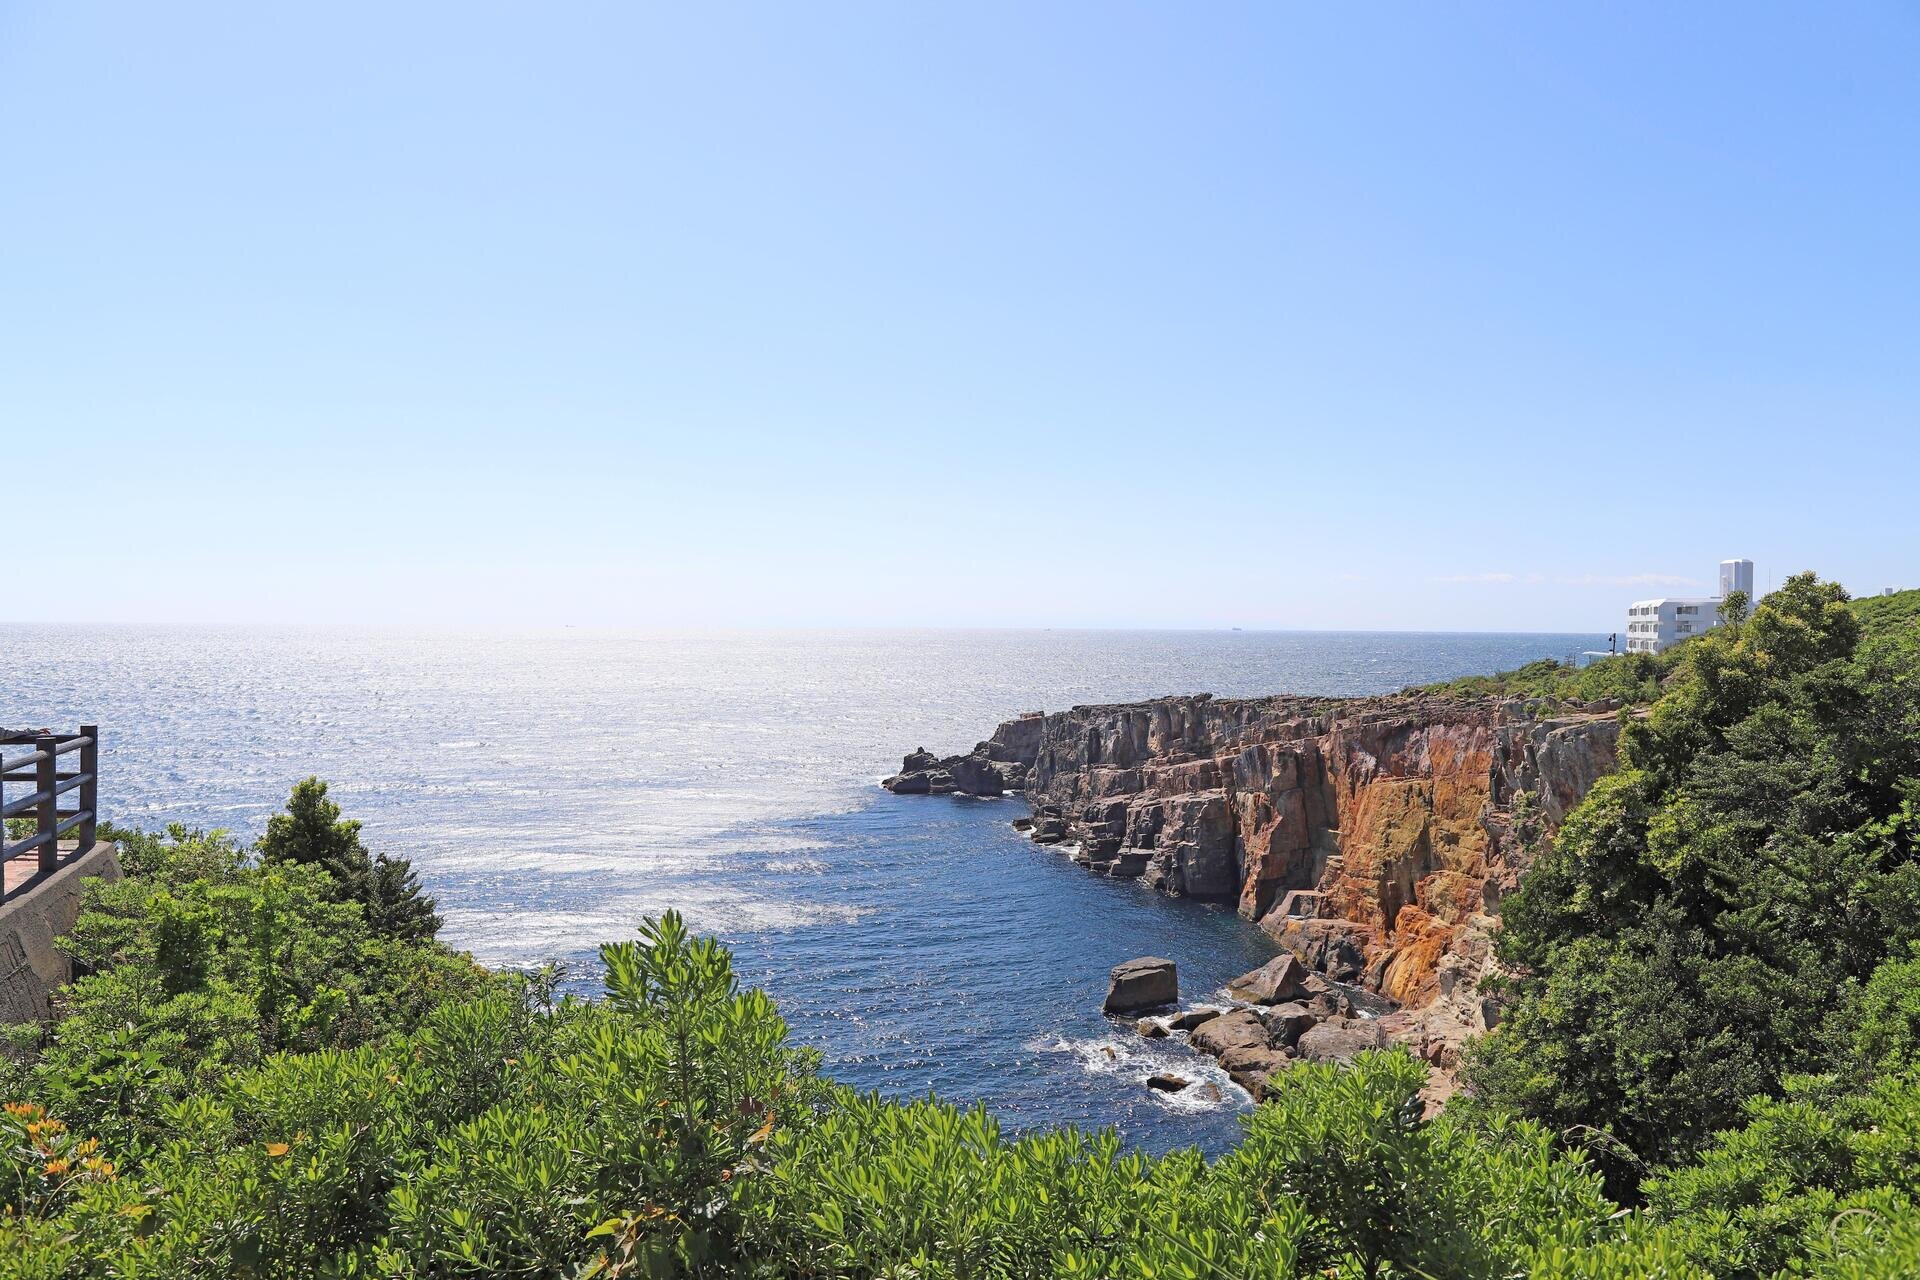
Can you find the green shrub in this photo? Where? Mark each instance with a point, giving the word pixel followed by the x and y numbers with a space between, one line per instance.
pixel 669 1130
pixel 1708 915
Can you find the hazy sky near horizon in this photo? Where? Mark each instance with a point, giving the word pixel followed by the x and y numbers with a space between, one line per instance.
pixel 1463 316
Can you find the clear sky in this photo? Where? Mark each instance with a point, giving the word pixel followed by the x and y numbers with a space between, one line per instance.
pixel 1453 316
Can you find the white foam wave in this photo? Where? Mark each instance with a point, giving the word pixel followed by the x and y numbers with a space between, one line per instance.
pixel 1135 1058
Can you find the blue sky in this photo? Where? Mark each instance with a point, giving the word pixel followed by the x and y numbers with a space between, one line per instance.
pixel 1414 316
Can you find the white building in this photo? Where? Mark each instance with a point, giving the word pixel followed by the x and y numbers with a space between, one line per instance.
pixel 1654 625
pixel 1736 575
pixel 1657 625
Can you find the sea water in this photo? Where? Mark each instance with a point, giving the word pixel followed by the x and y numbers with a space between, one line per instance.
pixel 554 788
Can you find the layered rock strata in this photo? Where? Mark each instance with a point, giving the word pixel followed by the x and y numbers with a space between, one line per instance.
pixel 1372 837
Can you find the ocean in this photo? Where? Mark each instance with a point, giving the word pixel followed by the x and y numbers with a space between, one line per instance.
pixel 553 788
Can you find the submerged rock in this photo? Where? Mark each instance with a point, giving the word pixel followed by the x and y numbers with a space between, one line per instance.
pixel 1142 983
pixel 1167 1082
pixel 1151 1028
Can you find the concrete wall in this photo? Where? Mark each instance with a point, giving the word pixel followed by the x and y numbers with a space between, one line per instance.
pixel 30 965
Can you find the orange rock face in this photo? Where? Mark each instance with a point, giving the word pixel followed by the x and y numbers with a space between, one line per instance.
pixel 1372 836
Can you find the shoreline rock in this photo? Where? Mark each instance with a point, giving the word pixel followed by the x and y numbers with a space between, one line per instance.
pixel 1279 980
pixel 1188 1019
pixel 1146 982
pixel 993 768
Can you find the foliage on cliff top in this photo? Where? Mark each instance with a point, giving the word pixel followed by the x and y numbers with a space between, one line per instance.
pixel 1629 678
pixel 1884 613
pixel 1710 917
pixel 1635 678
pixel 312 833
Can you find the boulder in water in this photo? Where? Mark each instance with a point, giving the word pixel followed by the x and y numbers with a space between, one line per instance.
pixel 1241 1029
pixel 1142 983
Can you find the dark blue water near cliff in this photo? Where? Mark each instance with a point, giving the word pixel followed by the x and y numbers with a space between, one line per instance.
pixel 556 787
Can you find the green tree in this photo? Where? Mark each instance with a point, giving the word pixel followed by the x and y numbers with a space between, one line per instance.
pixel 1767 1195
pixel 312 833
pixel 1707 910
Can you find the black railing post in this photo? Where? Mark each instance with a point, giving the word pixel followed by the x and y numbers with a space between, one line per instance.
pixel 48 775
pixel 90 789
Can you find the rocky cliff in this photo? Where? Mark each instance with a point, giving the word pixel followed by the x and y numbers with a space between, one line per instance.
pixel 1374 837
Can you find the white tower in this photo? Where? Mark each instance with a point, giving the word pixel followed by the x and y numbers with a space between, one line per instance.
pixel 1736 575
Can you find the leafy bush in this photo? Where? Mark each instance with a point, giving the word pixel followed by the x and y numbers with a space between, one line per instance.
pixel 669 1130
pixel 201 962
pixel 1628 678
pixel 1703 925
pixel 1769 1195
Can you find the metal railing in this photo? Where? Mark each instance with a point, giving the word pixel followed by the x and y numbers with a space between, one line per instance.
pixel 51 823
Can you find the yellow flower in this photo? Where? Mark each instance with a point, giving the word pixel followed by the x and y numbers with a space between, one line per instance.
pixel 278 1148
pixel 56 1167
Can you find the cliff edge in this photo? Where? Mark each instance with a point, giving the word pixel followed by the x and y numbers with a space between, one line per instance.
pixel 1372 837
